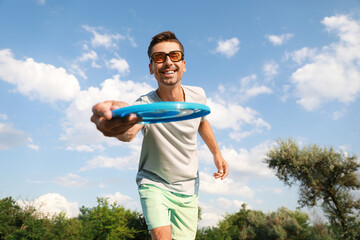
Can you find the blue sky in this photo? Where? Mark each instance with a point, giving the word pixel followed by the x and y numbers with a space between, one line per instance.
pixel 270 69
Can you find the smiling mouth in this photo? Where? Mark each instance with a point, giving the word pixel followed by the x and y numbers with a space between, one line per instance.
pixel 170 72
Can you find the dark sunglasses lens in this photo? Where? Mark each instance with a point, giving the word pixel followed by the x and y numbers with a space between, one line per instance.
pixel 159 57
pixel 175 56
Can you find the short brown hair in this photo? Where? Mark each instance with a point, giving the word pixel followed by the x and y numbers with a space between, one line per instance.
pixel 166 36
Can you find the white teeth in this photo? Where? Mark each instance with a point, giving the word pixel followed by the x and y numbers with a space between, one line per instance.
pixel 169 72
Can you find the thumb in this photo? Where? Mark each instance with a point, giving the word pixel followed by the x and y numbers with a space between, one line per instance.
pixel 117 104
pixel 112 105
pixel 220 168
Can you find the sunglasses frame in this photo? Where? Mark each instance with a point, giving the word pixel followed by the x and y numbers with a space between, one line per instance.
pixel 167 54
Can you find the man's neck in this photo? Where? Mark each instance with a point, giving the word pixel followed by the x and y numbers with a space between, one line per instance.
pixel 173 93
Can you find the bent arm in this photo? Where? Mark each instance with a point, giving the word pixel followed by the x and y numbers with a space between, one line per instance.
pixel 207 135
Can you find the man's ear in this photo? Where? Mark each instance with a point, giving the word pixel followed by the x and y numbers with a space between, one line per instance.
pixel 184 66
pixel 150 69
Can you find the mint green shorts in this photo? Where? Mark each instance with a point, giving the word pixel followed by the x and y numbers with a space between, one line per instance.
pixel 163 208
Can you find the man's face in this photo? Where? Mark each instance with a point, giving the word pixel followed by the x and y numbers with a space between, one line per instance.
pixel 168 73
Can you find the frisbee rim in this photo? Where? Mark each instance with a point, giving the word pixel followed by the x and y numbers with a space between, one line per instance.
pixel 199 110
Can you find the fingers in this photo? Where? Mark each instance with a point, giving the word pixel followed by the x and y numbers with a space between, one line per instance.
pixel 116 126
pixel 223 171
pixel 104 109
pixel 112 127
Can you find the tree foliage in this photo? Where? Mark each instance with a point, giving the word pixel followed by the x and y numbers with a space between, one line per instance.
pixel 256 225
pixel 104 221
pixel 111 222
pixel 325 177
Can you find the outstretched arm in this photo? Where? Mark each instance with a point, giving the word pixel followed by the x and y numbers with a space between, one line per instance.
pixel 207 135
pixel 125 129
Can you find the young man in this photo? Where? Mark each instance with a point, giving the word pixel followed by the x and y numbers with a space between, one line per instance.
pixel 168 177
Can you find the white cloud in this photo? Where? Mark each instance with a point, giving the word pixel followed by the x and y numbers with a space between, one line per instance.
pixel 32 146
pixel 278 40
pixel 223 187
pixel 121 199
pixel 257 90
pixel 12 137
pixel 51 204
pixel 302 55
pixel 248 163
pixel 72 180
pixel 286 92
pixel 339 114
pixel 119 64
pixel 132 41
pixel 38 80
pixel 3 117
pixel 214 211
pixel 79 132
pixel 250 88
pixel 228 47
pixel 41 2
pixel 233 116
pixel 270 70
pixel 107 40
pixel 243 163
pixel 121 163
pixel 74 68
pixel 88 56
pixel 83 148
pixel 104 40
pixel 333 74
pixel 244 166
pixel 91 55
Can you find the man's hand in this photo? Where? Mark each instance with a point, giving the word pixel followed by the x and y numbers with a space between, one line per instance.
pixel 117 127
pixel 207 135
pixel 222 167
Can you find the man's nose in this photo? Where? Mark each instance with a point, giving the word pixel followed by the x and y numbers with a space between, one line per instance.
pixel 168 60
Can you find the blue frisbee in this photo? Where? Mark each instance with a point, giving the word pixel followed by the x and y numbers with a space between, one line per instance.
pixel 162 112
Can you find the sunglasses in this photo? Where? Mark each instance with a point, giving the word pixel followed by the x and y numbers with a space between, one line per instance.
pixel 160 57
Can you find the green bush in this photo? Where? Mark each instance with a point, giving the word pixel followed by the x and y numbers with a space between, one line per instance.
pixel 256 225
pixel 103 221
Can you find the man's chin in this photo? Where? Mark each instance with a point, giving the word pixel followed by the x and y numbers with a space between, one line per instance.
pixel 169 83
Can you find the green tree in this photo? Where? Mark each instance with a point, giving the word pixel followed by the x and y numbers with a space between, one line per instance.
pixel 247 224
pixel 18 223
pixel 110 222
pixel 325 177
pixel 64 228
pixel 102 222
pixel 10 217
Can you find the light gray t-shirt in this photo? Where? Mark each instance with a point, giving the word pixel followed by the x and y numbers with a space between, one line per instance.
pixel 169 154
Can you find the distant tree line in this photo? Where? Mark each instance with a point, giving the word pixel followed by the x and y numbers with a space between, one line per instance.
pixel 104 222
pixel 283 224
pixel 326 178
pixel 111 221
